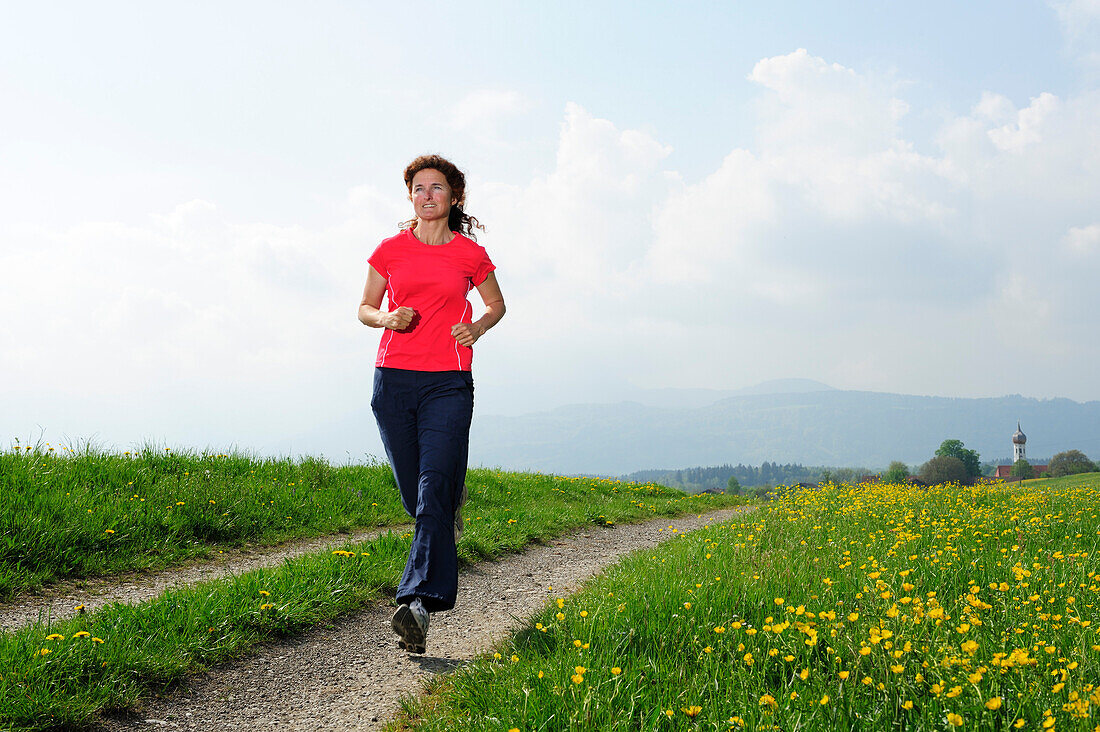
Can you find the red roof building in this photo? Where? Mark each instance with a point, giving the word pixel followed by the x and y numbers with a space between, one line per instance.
pixel 1005 471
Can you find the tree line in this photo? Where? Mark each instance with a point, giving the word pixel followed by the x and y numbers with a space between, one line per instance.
pixel 768 474
pixel 952 462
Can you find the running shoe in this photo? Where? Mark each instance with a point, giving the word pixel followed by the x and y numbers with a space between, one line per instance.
pixel 410 622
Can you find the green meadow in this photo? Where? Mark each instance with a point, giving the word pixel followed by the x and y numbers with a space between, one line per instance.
pixel 90 514
pixel 860 607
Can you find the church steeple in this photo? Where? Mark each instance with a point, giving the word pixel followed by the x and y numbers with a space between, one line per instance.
pixel 1019 440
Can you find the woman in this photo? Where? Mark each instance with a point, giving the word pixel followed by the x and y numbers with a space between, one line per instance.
pixel 423 391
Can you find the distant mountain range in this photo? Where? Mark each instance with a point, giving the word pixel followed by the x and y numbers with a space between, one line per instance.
pixel 789 421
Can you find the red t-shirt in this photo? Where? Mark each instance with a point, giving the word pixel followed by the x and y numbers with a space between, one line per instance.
pixel 434 281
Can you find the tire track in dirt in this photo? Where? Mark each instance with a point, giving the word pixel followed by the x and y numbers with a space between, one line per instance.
pixel 59 601
pixel 350 675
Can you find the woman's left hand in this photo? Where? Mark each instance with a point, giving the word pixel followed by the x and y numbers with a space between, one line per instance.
pixel 467 333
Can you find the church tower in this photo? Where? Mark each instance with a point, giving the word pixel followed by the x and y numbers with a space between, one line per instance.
pixel 1019 439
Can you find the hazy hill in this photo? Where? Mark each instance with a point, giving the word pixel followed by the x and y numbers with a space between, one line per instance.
pixel 808 423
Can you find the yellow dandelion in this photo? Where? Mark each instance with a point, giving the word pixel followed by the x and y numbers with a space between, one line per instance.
pixel 616 671
pixel 44 652
pixel 994 704
pixel 824 700
pixel 692 711
pixel 55 636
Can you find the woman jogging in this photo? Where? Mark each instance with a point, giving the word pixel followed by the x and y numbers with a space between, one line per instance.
pixel 423 390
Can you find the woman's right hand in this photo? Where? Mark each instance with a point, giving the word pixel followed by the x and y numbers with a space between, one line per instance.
pixel 398 319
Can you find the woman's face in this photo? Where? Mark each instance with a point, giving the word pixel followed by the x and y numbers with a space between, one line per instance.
pixel 431 196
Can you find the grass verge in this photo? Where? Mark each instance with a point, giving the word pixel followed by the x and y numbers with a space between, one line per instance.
pixel 865 607
pixel 88 513
pixel 64 673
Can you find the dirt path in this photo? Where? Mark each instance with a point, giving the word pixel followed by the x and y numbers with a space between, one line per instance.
pixel 350 676
pixel 60 601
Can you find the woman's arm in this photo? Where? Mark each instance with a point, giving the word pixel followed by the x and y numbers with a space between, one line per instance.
pixel 467 333
pixel 369 312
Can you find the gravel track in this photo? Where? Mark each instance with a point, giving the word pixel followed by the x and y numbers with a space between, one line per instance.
pixel 350 675
pixel 59 601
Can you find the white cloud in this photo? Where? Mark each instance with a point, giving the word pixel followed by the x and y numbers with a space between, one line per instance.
pixel 1080 21
pixel 1078 17
pixel 1083 239
pixel 1027 127
pixel 833 231
pixel 238 327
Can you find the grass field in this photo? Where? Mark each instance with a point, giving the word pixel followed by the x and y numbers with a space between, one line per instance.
pixel 65 672
pixel 862 607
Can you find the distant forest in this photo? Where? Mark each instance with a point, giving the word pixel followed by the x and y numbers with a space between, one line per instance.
pixel 695 480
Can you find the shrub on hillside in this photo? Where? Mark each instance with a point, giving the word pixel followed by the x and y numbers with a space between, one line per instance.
pixel 896 473
pixel 969 458
pixel 944 469
pixel 1070 462
pixel 1022 469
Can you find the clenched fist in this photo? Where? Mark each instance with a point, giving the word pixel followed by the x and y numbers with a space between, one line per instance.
pixel 467 333
pixel 398 319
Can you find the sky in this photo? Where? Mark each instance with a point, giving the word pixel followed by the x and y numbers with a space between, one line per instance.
pixel 882 197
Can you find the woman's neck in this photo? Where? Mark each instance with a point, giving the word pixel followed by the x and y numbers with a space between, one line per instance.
pixel 433 233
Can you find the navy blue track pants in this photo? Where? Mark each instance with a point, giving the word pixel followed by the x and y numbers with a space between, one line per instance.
pixel 424 419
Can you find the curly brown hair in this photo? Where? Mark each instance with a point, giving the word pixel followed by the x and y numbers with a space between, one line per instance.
pixel 458 220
